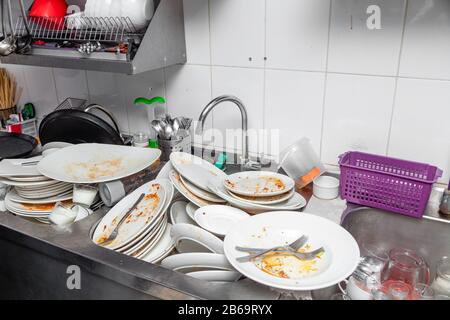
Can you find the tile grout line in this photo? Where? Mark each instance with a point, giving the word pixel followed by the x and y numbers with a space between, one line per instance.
pixel 391 121
pixel 54 85
pixel 321 71
pixel 325 81
pixel 210 69
pixel 264 93
pixel 87 86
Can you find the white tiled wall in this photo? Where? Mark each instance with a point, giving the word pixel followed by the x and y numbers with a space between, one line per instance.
pixel 306 67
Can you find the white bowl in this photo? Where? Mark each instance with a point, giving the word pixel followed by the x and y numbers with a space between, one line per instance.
pixel 139 11
pixel 326 187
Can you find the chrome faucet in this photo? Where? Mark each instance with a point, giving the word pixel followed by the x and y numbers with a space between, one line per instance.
pixel 246 162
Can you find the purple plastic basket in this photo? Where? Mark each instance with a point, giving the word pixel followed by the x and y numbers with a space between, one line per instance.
pixel 386 183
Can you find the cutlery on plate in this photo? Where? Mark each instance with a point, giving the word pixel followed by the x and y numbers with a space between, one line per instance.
pixel 296 245
pixel 300 241
pixel 115 232
pixel 300 255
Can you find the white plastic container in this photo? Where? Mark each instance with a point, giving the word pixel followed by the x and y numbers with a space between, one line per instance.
pixel 301 162
pixel 326 187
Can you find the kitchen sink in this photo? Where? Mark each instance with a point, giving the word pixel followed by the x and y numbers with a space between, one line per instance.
pixel 429 236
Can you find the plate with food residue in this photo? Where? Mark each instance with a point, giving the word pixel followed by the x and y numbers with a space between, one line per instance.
pixel 258 184
pixel 95 163
pixel 285 271
pixel 176 180
pixel 138 221
pixel 287 266
pixel 194 169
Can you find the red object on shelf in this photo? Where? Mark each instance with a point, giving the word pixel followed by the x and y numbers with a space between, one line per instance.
pixel 49 13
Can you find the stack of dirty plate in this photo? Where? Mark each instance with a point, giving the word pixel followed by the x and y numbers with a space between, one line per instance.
pixel 191 176
pixel 259 191
pixel 144 231
pixel 32 195
pixel 254 192
pixel 199 241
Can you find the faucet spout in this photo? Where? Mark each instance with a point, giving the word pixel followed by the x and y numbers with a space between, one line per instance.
pixel 244 116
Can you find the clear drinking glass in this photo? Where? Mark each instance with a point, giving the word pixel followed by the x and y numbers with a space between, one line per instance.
pixel 340 296
pixel 407 266
pixel 423 292
pixel 397 290
pixel 441 284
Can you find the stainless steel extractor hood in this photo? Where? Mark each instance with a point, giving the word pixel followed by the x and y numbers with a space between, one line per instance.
pixel 160 44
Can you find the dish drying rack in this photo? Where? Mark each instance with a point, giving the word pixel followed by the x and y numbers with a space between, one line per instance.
pixel 106 44
pixel 80 29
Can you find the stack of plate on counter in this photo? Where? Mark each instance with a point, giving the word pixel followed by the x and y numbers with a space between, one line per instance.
pixel 258 191
pixel 32 195
pixel 200 249
pixel 191 176
pixel 145 233
pixel 254 192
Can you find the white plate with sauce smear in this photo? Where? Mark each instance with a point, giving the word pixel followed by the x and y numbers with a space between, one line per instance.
pixel 258 183
pixel 95 163
pixel 141 218
pixel 195 169
pixel 271 229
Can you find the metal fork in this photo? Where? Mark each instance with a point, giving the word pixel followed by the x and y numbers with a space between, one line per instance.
pixel 300 255
pixel 115 232
pixel 297 243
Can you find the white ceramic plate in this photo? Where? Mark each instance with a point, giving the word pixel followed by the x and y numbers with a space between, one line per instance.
pixel 295 203
pixel 41 195
pixel 219 219
pixel 151 205
pixel 190 209
pixel 216 275
pixel 176 180
pixel 29 178
pixel 258 183
pixel 95 163
pixel 265 200
pixel 13 196
pixel 178 213
pixel 195 169
pixel 179 262
pixel 13 167
pixel 148 246
pixel 187 236
pixel 56 145
pixel 206 195
pixel 147 238
pixel 164 173
pixel 148 233
pixel 270 229
pixel 35 184
pixel 164 246
pixel 28 209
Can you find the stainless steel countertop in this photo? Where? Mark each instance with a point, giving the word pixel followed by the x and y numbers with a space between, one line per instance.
pixel 74 243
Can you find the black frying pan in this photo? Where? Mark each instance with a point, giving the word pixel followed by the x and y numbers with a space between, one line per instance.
pixel 76 126
pixel 16 145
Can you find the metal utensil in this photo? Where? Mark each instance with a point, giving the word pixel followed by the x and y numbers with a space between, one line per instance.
pixel 296 245
pixel 115 232
pixel 186 123
pixel 24 42
pixel 300 255
pixel 158 127
pixel 300 240
pixel 8 44
pixel 177 124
